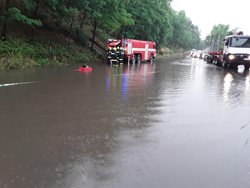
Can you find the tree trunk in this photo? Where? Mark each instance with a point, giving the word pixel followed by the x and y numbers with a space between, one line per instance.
pixel 70 29
pixel 82 17
pixel 68 3
pixel 93 37
pixel 4 31
pixel 5 24
pixel 38 2
pixel 1 5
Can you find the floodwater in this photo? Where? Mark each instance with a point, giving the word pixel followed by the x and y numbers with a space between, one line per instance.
pixel 170 124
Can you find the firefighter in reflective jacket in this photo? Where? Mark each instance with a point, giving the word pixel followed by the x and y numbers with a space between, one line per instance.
pixel 115 54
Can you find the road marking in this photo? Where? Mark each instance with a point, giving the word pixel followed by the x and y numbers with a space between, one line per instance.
pixel 16 83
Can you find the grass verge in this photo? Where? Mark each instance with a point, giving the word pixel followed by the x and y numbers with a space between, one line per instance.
pixel 16 53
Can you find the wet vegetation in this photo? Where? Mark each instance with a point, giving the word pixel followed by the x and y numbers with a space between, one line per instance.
pixel 40 33
pixel 21 53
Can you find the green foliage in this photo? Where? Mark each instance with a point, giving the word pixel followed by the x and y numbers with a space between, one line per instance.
pixel 14 47
pixel 82 57
pixel 22 53
pixel 68 13
pixel 152 20
pixel 80 36
pixel 140 19
pixel 114 16
pixel 42 62
pixel 16 61
pixel 29 6
pixel 185 34
pixel 214 40
pixel 14 14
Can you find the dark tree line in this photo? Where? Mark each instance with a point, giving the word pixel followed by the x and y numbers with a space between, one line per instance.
pixel 140 19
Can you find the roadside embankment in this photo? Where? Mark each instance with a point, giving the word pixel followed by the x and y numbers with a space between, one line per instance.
pixel 167 53
pixel 17 53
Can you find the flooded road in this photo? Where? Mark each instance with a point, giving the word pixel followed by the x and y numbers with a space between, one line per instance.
pixel 172 124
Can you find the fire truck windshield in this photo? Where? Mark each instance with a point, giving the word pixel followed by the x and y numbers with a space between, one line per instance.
pixel 242 42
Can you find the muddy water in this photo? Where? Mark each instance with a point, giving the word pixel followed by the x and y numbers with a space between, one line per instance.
pixel 173 124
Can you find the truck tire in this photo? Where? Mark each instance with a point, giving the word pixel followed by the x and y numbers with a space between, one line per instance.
pixel 132 61
pixel 214 62
pixel 225 64
pixel 138 58
pixel 151 59
pixel 219 63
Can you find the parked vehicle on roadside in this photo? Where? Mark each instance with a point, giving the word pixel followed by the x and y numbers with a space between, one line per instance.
pixel 196 54
pixel 236 51
pixel 215 57
pixel 130 51
pixel 204 54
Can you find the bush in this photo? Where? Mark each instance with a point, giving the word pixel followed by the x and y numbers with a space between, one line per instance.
pixel 20 53
pixel 42 62
pixel 81 57
pixel 80 37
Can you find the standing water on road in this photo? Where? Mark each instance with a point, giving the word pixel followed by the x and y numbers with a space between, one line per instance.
pixel 175 124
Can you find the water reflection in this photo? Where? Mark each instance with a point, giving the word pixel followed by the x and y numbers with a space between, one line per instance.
pixel 227 85
pixel 235 86
pixel 247 83
pixel 138 125
pixel 129 79
pixel 124 86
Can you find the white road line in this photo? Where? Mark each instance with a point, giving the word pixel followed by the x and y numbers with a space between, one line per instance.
pixel 16 83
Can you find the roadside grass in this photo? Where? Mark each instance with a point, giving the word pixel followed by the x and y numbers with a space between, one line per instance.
pixel 16 53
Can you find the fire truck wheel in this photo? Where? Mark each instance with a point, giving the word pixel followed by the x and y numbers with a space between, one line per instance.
pixel 138 58
pixel 151 59
pixel 133 59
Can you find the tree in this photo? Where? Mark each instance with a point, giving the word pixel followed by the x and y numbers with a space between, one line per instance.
pixel 152 20
pixel 139 19
pixel 4 19
pixel 109 15
pixel 185 34
pixel 214 40
pixel 14 14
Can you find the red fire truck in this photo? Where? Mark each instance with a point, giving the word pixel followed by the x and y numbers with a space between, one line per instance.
pixel 130 51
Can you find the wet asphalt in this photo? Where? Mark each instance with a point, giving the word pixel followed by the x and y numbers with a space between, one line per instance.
pixel 169 124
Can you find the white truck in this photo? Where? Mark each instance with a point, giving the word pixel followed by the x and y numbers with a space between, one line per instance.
pixel 236 51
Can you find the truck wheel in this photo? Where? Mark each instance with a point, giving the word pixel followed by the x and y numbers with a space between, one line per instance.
pixel 151 59
pixel 214 62
pixel 219 63
pixel 125 60
pixel 225 64
pixel 138 58
pixel 133 59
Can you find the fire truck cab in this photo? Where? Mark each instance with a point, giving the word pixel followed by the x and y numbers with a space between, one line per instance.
pixel 130 51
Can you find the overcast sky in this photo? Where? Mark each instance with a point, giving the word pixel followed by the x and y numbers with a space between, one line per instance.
pixel 207 13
